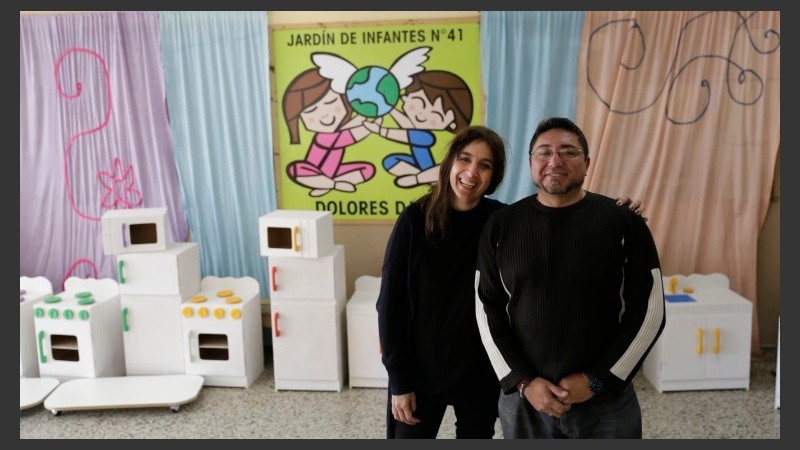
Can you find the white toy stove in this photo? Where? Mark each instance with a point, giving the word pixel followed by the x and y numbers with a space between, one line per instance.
pixel 79 331
pixel 222 332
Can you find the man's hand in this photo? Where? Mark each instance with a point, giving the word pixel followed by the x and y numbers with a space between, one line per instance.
pixel 546 397
pixel 577 384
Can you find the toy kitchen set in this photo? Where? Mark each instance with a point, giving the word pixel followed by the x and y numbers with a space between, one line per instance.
pixel 154 277
pixel 153 337
pixel 706 340
pixel 307 299
pixel 174 322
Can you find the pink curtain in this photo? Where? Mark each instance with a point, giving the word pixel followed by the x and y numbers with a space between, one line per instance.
pixel 682 109
pixel 93 136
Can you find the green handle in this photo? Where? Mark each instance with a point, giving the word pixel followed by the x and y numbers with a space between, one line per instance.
pixel 125 326
pixel 42 358
pixel 120 278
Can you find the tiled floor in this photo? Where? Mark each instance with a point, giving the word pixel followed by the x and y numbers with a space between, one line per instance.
pixel 259 412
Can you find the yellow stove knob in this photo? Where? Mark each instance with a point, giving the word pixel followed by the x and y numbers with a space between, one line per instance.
pixel 202 312
pixel 236 313
pixel 219 313
pixel 187 312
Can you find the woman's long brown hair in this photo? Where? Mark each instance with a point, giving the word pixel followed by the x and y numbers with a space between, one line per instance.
pixel 437 201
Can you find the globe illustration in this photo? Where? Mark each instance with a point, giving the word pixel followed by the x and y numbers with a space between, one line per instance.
pixel 372 91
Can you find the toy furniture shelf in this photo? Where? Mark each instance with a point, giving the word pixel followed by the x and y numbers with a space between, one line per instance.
pixel 706 339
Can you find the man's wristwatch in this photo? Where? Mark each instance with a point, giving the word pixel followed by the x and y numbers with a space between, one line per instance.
pixel 521 387
pixel 595 384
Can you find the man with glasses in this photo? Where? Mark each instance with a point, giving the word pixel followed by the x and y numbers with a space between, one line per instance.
pixel 569 299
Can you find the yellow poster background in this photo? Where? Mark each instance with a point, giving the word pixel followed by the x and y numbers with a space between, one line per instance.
pixel 454 47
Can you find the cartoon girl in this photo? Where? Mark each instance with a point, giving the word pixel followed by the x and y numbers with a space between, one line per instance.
pixel 435 100
pixel 309 99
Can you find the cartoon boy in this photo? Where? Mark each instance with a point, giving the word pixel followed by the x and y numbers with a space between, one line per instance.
pixel 435 100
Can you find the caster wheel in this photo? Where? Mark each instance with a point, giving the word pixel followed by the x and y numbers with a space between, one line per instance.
pixel 174 408
pixel 56 412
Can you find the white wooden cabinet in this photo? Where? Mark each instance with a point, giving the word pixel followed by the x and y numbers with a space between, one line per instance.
pixel 308 344
pixel 174 271
pixel 151 332
pixel 321 278
pixel 307 299
pixel 363 342
pixel 706 342
pixel 152 286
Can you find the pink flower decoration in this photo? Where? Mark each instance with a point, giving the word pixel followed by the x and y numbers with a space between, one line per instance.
pixel 119 190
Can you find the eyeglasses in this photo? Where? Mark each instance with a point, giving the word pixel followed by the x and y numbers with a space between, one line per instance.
pixel 543 154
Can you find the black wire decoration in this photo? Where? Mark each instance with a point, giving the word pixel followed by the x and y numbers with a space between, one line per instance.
pixel 750 82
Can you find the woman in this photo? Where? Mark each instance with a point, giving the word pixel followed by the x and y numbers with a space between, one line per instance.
pixel 426 307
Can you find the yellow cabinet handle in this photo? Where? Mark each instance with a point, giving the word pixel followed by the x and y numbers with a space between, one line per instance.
pixel 716 339
pixel 699 348
pixel 295 240
pixel 673 283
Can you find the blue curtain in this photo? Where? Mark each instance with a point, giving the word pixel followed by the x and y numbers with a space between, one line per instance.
pixel 216 66
pixel 529 66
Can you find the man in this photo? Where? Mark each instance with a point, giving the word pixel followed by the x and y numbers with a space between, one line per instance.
pixel 569 299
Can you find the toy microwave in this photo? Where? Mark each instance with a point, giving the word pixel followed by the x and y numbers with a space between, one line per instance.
pixel 299 233
pixel 134 230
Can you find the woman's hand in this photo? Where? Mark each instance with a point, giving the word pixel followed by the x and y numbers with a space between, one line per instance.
pixel 403 407
pixel 634 205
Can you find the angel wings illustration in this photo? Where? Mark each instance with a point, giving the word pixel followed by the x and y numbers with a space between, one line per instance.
pixel 339 70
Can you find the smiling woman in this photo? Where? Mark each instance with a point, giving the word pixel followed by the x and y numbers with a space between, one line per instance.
pixel 432 350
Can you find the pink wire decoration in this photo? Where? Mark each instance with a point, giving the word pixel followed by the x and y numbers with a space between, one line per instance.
pixel 75 265
pixel 74 137
pixel 118 184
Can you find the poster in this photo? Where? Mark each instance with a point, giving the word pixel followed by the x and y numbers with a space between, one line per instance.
pixel 363 113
